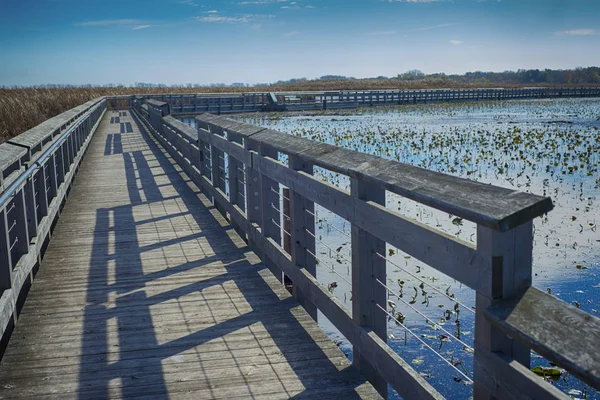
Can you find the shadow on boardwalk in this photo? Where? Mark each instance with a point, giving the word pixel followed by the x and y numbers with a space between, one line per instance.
pixel 178 306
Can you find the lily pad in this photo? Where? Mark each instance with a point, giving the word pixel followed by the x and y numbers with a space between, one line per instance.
pixel 547 371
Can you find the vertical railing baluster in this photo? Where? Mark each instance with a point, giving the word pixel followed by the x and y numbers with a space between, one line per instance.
pixel 60 167
pixel 268 215
pixel 218 172
pixel 30 207
pixel 42 191
pixel 367 269
pixel 508 257
pixel 234 177
pixel 302 223
pixel 252 189
pixel 5 256
pixel 21 241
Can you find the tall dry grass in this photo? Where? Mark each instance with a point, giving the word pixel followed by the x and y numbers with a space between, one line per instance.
pixel 22 109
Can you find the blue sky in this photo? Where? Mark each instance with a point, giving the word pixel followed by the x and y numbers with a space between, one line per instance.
pixel 199 41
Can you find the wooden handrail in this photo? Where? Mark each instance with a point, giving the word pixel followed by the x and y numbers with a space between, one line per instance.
pixel 498 267
pixel 33 195
pixel 492 206
pixel 554 329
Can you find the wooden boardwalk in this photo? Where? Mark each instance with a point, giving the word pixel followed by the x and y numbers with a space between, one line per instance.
pixel 146 291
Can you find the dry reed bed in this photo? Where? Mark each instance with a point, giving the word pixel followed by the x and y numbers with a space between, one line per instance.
pixel 22 109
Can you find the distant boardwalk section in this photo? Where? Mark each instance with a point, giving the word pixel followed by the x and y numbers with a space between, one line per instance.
pixel 185 104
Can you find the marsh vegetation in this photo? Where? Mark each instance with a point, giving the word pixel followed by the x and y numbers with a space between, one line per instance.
pixel 547 147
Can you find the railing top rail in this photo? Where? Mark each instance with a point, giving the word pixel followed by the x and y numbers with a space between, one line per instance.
pixel 36 134
pixel 156 103
pixel 9 155
pixel 491 206
pixel 9 192
pixel 182 127
pixel 548 326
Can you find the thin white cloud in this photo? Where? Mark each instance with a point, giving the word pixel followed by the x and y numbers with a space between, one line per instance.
pixel 292 33
pixel 188 3
pixel 428 28
pixel 223 20
pixel 579 32
pixel 380 33
pixel 262 1
pixel 212 11
pixel 414 1
pixel 109 22
pixel 456 42
pixel 242 19
pixel 135 28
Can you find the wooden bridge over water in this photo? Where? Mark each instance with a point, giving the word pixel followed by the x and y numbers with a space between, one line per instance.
pixel 158 259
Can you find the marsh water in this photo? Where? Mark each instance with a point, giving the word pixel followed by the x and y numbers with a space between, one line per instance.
pixel 546 147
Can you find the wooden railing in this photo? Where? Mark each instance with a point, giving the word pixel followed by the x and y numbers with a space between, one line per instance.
pixel 512 317
pixel 289 101
pixel 36 172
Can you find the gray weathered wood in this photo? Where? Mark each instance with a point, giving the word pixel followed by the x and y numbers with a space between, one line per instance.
pixel 509 258
pixel 302 229
pixel 368 278
pixel 454 258
pixel 491 206
pixel 270 217
pixel 397 372
pixel 508 379
pixel 30 251
pixel 554 329
pixel 144 290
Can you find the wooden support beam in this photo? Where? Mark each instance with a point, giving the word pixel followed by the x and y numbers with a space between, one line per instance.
pixel 509 255
pixel 270 218
pixel 302 223
pixel 368 275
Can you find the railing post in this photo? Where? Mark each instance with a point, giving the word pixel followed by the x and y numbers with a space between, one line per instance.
pixel 268 214
pixel 508 257
pixel 21 245
pixel 302 223
pixel 367 293
pixel 30 209
pixel 42 195
pixel 5 257
pixel 252 194
pixel 217 158
pixel 60 166
pixel 53 176
pixel 235 176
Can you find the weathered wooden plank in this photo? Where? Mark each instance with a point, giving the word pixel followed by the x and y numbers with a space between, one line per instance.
pixel 397 372
pixel 181 127
pixel 491 206
pixel 10 157
pixel 548 326
pixel 301 221
pixel 368 278
pixel 145 291
pixel 30 259
pixel 410 236
pixel 508 379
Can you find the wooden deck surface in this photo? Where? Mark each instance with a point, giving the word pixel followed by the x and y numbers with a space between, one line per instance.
pixel 146 291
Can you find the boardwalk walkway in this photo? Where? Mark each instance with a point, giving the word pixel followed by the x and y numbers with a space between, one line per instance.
pixel 146 291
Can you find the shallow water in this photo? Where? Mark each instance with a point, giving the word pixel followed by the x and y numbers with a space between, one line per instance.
pixel 547 147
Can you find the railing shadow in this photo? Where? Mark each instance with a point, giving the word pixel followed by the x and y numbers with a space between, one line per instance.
pixel 113 144
pixel 172 291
